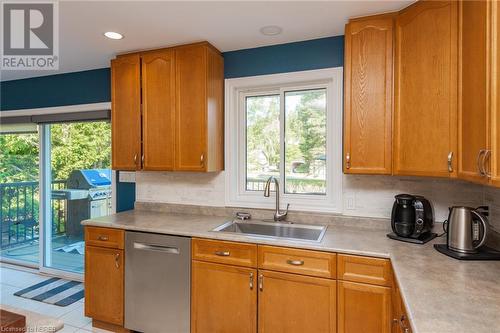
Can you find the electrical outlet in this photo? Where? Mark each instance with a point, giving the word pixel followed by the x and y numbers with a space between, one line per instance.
pixel 350 202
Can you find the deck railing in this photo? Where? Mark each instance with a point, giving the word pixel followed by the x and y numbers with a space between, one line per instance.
pixel 19 213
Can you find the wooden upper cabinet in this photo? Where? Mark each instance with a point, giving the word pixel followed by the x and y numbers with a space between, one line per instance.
pixel 368 95
pixel 199 115
pixel 473 113
pixel 180 107
pixel 294 303
pixel 224 298
pixel 425 124
pixel 158 99
pixel 494 92
pixel 363 308
pixel 125 112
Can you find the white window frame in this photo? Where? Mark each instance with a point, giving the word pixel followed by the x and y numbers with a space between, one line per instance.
pixel 236 90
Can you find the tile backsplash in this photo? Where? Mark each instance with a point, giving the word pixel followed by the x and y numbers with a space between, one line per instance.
pixel 367 196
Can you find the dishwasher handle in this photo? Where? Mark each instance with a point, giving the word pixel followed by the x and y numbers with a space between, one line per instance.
pixel 158 248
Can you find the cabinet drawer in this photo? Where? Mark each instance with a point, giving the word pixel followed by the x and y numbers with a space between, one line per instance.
pixel 239 254
pixel 104 237
pixel 304 262
pixel 364 269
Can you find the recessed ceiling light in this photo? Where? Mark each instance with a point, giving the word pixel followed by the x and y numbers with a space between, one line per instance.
pixel 113 35
pixel 271 30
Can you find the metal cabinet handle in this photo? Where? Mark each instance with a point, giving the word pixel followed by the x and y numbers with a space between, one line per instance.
pixel 261 282
pixel 450 162
pixel 295 262
pixel 348 161
pixel 403 326
pixel 486 155
pixel 222 253
pixel 117 260
pixel 480 164
pixel 202 159
pixel 135 159
pixel 251 281
pixel 142 159
pixel 103 238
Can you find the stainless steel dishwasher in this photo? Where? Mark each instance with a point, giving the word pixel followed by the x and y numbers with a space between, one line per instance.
pixel 157 283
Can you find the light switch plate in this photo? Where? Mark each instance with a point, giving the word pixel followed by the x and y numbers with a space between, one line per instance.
pixel 126 176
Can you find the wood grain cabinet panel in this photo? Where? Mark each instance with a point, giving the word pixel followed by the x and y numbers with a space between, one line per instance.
pixel 158 94
pixel 231 253
pixel 176 121
pixel 473 134
pixel 363 308
pixel 368 95
pixel 306 262
pixel 199 116
pixel 125 113
pixel 425 124
pixel 364 269
pixel 493 163
pixel 105 237
pixel 294 303
pixel 191 111
pixel 104 284
pixel 224 298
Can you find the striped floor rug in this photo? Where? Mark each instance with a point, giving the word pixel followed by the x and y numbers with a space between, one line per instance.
pixel 54 291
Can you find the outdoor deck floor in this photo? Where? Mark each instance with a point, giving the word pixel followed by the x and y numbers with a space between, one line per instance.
pixel 29 253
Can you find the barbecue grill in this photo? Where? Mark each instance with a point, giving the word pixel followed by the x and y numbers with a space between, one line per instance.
pixel 88 195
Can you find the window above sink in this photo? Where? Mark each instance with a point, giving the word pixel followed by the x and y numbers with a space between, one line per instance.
pixel 288 126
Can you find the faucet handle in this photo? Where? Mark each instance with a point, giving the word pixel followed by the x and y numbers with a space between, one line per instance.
pixel 243 216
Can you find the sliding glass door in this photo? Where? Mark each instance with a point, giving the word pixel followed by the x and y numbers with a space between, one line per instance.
pixel 76 185
pixel 52 176
pixel 19 194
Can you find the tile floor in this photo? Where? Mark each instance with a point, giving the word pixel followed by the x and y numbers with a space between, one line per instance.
pixel 12 280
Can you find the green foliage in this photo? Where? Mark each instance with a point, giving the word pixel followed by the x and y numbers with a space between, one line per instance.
pixel 74 146
pixel 80 146
pixel 305 135
pixel 18 157
pixel 263 128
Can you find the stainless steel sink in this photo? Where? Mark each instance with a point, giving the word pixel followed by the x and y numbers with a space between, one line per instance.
pixel 303 232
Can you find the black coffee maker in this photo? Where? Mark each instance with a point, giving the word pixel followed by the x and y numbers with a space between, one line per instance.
pixel 412 219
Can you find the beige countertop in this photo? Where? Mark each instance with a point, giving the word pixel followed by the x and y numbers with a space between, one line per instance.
pixel 441 294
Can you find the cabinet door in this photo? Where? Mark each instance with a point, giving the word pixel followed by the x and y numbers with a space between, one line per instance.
pixel 473 133
pixel 363 308
pixel 158 94
pixel 224 298
pixel 292 303
pixel 425 125
pixel 191 108
pixel 126 113
pixel 494 92
pixel 104 284
pixel 368 96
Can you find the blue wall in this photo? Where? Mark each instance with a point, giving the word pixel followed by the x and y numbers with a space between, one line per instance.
pixel 94 86
pixel 56 90
pixel 283 58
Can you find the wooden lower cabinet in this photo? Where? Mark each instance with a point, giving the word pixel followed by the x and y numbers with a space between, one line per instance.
pixel 400 322
pixel 224 298
pixel 104 282
pixel 294 303
pixel 363 308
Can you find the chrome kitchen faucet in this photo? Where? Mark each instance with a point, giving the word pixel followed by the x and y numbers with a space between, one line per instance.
pixel 278 215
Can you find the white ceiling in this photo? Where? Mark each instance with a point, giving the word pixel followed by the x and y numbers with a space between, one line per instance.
pixel 229 25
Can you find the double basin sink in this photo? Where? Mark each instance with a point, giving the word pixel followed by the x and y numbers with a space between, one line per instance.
pixel 301 232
